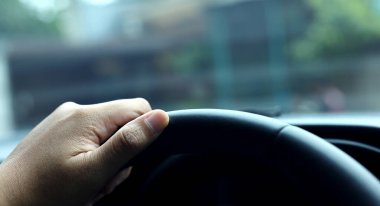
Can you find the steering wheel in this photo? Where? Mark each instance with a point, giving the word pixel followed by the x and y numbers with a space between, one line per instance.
pixel 320 171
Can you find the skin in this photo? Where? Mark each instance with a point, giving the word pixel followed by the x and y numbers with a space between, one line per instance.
pixel 76 155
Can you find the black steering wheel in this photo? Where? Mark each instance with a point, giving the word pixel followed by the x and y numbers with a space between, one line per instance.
pixel 320 171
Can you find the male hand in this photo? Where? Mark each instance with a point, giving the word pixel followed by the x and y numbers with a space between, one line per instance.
pixel 76 155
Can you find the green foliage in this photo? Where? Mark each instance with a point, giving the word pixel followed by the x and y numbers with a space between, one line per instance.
pixel 16 20
pixel 338 27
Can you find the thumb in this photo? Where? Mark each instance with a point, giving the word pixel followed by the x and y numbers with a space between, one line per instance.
pixel 132 138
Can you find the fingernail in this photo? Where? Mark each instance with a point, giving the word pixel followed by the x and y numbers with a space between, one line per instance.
pixel 156 121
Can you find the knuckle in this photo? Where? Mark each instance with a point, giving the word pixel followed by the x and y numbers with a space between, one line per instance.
pixel 73 110
pixel 68 106
pixel 143 103
pixel 79 113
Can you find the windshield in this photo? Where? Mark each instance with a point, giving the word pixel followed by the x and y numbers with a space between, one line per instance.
pixel 293 56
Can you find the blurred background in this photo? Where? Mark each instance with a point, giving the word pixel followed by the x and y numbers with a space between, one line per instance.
pixel 293 56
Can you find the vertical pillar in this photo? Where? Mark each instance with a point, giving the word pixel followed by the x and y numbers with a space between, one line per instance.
pixel 6 112
pixel 221 57
pixel 277 57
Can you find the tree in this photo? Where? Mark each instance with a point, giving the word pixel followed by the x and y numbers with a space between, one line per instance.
pixel 16 20
pixel 338 27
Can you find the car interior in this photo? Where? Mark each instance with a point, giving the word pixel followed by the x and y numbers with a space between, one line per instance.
pixel 270 101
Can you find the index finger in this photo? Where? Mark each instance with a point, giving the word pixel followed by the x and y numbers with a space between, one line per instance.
pixel 117 113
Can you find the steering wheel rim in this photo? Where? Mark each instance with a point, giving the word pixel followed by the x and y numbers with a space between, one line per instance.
pixel 332 176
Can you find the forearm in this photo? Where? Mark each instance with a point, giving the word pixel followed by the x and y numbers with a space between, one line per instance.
pixel 3 188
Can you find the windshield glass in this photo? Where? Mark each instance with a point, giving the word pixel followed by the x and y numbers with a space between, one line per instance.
pixel 293 56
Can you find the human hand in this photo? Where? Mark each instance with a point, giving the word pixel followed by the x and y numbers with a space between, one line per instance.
pixel 75 155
